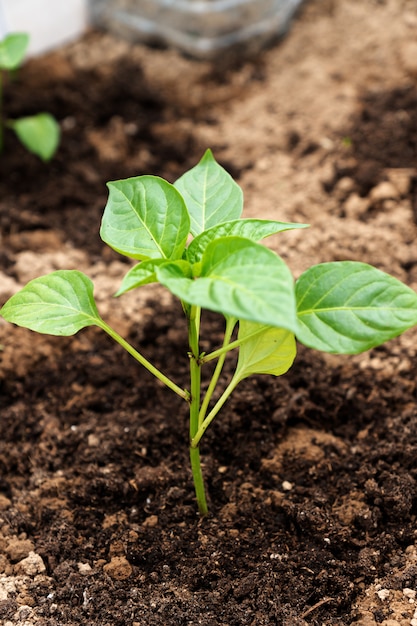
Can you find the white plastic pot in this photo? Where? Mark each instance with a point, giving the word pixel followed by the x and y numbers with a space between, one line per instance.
pixel 49 23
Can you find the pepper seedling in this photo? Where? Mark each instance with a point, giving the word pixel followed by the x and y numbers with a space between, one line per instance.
pixel 39 133
pixel 190 237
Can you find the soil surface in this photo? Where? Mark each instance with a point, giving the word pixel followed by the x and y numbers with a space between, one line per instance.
pixel 312 477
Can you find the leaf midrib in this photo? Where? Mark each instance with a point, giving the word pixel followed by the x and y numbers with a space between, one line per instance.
pixel 350 309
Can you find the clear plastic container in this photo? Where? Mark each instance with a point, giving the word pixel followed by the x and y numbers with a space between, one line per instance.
pixel 201 28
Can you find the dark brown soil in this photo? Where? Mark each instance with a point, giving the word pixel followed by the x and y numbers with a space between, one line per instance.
pixel 311 477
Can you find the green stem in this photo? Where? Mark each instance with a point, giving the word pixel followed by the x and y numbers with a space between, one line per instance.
pixel 200 491
pixel 195 441
pixel 183 393
pixel 195 375
pixel 231 346
pixel 230 324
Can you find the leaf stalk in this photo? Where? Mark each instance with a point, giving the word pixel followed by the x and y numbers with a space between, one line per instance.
pixel 183 393
pixel 228 347
pixel 195 441
pixel 230 324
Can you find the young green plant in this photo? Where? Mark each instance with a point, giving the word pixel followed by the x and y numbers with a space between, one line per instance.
pixel 39 133
pixel 190 237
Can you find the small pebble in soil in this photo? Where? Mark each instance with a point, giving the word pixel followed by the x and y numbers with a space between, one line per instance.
pixel 410 594
pixel 383 594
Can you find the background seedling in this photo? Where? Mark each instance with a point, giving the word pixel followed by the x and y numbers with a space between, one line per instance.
pixel 39 133
pixel 341 307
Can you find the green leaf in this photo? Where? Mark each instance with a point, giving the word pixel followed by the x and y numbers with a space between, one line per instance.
pixel 238 278
pixel 60 303
pixel 145 272
pixel 266 350
pixel 348 307
pixel 145 218
pixel 39 134
pixel 210 193
pixel 12 50
pixel 252 229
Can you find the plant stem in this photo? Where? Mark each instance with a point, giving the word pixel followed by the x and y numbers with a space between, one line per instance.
pixel 195 441
pixel 200 491
pixel 195 375
pixel 230 324
pixel 183 393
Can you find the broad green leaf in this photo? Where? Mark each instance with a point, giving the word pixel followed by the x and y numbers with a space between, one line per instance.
pixel 145 218
pixel 210 193
pixel 12 50
pixel 60 303
pixel 39 134
pixel 266 350
pixel 145 272
pixel 252 229
pixel 348 307
pixel 238 278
